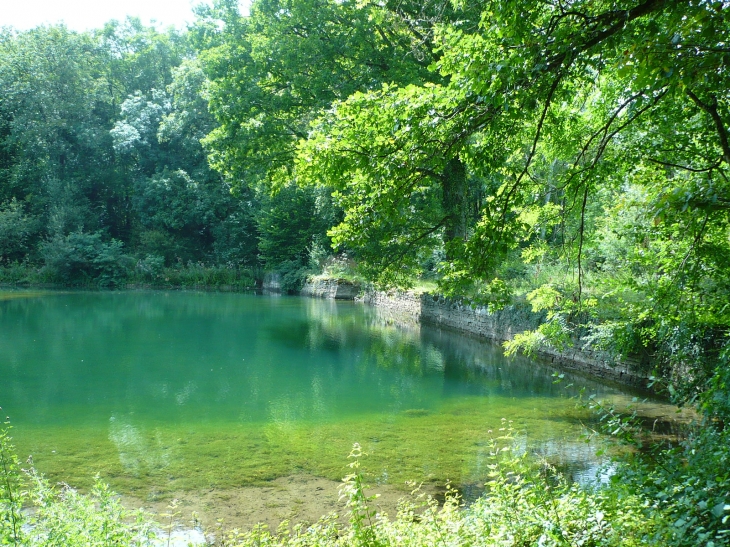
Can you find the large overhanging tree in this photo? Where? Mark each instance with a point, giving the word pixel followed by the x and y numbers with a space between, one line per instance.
pixel 563 111
pixel 531 80
pixel 275 71
pixel 590 132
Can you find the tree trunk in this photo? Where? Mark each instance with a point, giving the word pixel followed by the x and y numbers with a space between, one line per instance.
pixel 454 199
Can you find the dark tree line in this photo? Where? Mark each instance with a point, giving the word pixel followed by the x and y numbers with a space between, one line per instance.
pixel 101 167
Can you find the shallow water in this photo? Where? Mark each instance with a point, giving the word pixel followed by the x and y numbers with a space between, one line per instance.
pixel 168 392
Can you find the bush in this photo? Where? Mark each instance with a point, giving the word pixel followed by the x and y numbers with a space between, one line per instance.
pixel 200 275
pixel 293 276
pixel 690 486
pixel 11 489
pixel 80 259
pixel 18 273
pixel 66 518
pixel 16 232
pixel 150 268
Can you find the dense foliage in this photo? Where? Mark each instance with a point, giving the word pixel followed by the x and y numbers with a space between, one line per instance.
pixel 102 173
pixel 576 155
pixel 596 137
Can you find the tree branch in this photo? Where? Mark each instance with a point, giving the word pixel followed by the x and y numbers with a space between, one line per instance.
pixel 711 109
pixel 691 169
pixel 620 18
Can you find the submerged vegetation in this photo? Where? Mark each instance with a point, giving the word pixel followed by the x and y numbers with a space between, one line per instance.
pixel 675 499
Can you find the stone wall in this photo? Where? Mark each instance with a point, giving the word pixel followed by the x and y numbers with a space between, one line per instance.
pixel 272 282
pixel 337 289
pixel 502 326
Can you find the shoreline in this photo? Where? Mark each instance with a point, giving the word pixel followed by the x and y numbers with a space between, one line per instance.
pixel 408 307
pixel 411 308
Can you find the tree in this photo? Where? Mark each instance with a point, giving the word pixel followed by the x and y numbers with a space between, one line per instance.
pixel 17 230
pixel 276 71
pixel 100 137
pixel 507 80
pixel 61 91
pixel 182 209
pixel 273 72
pixel 560 110
pixel 56 130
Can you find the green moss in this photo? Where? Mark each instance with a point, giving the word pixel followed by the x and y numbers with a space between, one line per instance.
pixel 415 445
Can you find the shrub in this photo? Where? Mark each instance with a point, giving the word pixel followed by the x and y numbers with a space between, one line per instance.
pixel 16 231
pixel 690 486
pixel 81 258
pixel 66 518
pixel 293 275
pixel 11 488
pixel 150 268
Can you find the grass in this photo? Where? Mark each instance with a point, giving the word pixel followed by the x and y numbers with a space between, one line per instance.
pixel 425 286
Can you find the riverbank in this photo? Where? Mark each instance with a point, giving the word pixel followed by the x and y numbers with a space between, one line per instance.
pixel 499 326
pixel 190 276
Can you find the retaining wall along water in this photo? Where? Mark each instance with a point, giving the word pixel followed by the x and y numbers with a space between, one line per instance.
pixel 338 289
pixel 500 326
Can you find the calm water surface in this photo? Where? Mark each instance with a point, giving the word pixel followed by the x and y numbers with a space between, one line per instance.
pixel 167 391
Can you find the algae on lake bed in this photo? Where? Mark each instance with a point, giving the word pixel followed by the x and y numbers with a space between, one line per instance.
pixel 151 461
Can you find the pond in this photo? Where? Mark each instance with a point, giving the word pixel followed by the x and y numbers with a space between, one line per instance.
pixel 191 393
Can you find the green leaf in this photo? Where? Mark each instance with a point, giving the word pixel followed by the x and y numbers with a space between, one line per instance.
pixel 719 509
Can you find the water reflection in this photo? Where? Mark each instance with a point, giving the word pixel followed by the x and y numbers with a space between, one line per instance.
pixel 180 355
pixel 136 453
pixel 200 380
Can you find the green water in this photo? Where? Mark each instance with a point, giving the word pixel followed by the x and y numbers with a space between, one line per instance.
pixel 166 391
